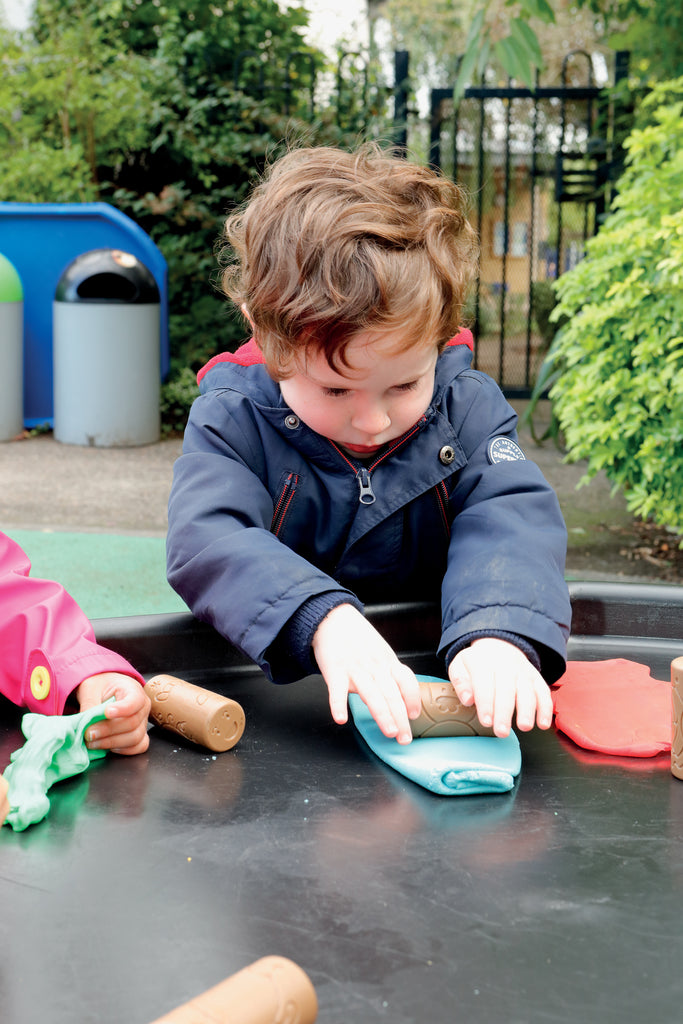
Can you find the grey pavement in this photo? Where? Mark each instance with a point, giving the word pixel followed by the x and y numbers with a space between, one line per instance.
pixel 48 485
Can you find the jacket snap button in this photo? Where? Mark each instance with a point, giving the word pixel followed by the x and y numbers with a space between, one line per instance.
pixel 40 682
pixel 292 421
pixel 446 455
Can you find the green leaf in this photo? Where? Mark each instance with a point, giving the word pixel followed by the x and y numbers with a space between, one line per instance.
pixel 473 47
pixel 526 37
pixel 538 9
pixel 484 55
pixel 514 60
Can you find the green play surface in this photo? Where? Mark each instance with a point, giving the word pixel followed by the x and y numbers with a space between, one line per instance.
pixel 107 574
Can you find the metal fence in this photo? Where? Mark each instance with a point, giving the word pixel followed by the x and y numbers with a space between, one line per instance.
pixel 539 166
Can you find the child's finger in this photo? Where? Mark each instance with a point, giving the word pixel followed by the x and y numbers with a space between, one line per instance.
pixel 544 706
pixel 380 710
pixel 504 699
pixel 125 737
pixel 338 695
pixel 460 676
pixel 526 708
pixel 410 690
pixel 123 706
pixel 394 697
pixel 381 693
pixel 484 698
pixel 129 743
pixel 120 724
pixel 139 748
pixel 128 701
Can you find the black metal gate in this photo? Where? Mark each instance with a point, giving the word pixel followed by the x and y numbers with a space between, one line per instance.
pixel 538 165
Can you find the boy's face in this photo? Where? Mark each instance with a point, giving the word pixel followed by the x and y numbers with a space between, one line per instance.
pixel 381 395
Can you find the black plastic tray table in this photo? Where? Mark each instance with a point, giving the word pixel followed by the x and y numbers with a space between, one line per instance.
pixel 155 877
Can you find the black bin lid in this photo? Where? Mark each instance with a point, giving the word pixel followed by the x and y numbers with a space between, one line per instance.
pixel 107 275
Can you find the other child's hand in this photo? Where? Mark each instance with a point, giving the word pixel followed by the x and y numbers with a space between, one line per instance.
pixel 124 730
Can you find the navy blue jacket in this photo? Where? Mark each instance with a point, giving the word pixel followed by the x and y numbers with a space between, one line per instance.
pixel 269 522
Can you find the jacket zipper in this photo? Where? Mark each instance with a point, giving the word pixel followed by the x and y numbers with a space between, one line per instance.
pixel 283 504
pixel 366 494
pixel 442 501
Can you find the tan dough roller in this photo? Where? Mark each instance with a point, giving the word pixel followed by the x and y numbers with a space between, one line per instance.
pixel 444 714
pixel 4 803
pixel 199 715
pixel 272 990
pixel 677 718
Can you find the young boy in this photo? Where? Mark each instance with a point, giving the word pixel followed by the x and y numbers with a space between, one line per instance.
pixel 348 453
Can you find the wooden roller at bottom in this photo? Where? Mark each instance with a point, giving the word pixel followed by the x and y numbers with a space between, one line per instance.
pixel 272 990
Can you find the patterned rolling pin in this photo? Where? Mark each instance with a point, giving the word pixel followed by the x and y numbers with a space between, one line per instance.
pixel 272 990
pixel 677 718
pixel 444 714
pixel 199 715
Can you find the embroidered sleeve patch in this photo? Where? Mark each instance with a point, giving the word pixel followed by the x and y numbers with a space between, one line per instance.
pixel 503 449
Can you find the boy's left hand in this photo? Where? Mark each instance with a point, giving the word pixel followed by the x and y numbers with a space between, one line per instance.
pixel 499 679
pixel 124 730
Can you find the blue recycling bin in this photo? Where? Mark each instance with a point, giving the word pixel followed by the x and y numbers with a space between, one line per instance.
pixel 41 240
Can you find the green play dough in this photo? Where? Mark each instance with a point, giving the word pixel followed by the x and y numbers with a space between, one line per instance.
pixel 54 750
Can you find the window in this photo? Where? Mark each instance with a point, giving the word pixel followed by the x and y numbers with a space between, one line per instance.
pixel 519 239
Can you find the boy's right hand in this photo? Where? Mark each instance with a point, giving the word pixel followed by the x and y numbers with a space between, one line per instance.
pixel 354 658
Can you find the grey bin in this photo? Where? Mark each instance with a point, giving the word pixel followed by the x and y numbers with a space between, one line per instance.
pixel 106 352
pixel 11 351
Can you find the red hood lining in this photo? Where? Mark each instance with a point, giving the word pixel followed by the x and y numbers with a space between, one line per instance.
pixel 250 354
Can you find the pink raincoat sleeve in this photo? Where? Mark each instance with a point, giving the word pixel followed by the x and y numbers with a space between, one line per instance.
pixel 47 644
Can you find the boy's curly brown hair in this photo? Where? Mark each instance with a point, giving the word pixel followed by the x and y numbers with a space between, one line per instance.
pixel 332 244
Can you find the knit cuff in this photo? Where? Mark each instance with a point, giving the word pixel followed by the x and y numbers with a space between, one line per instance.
pixel 290 655
pixel 525 645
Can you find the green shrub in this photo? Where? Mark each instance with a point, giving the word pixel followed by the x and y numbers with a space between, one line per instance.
pixel 543 302
pixel 619 394
pixel 67 105
pixel 177 395
pixel 39 173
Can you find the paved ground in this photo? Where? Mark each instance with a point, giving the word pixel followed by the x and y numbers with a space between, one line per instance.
pixel 95 518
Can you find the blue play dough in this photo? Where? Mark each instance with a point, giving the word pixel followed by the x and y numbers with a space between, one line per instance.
pixel 446 765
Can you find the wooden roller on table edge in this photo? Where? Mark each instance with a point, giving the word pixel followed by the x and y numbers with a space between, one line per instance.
pixel 677 718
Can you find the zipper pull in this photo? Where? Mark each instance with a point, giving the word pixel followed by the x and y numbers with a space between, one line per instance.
pixel 367 495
